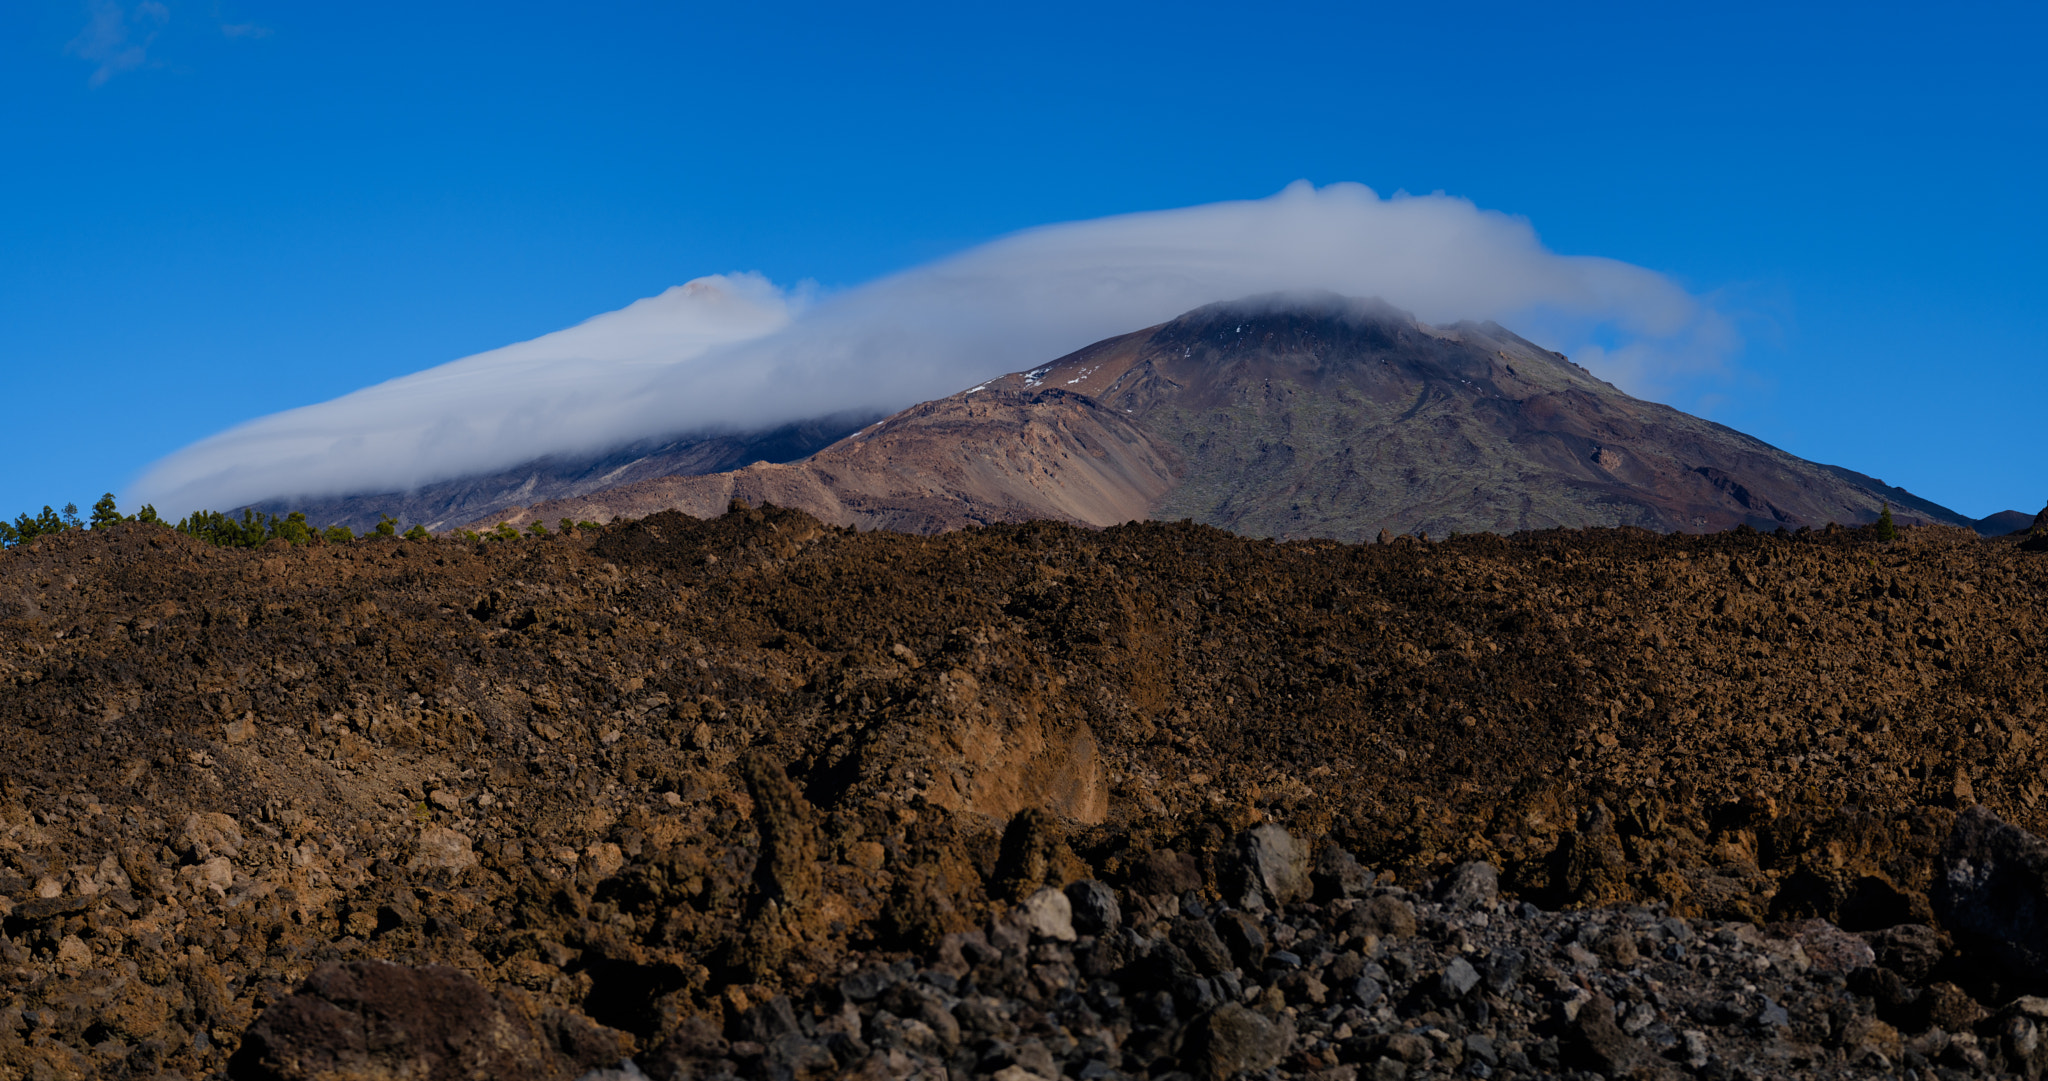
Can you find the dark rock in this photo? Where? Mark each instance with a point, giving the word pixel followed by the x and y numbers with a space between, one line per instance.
pixel 805 1059
pixel 1384 916
pixel 1829 949
pixel 1456 980
pixel 1948 1007
pixel 1405 1048
pixel 1338 874
pixel 1474 885
pixel 1110 954
pixel 1095 907
pixel 1199 941
pixel 1164 871
pixel 1617 949
pixel 1993 891
pixel 865 985
pixel 1366 991
pixel 1502 967
pixel 694 1051
pixel 372 1019
pixel 1912 950
pixel 1596 1042
pixel 1269 869
pixel 1232 1039
pixel 1244 938
pixel 763 1023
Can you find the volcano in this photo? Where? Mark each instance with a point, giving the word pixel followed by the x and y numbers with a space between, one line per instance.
pixel 1291 417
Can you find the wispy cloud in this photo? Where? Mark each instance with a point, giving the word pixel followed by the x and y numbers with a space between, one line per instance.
pixel 734 353
pixel 117 38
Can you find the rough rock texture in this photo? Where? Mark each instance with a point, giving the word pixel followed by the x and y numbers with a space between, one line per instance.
pixel 1994 888
pixel 592 770
pixel 370 1020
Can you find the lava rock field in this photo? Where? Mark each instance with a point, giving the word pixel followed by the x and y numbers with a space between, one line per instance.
pixel 762 797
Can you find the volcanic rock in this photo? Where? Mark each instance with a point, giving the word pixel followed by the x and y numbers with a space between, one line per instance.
pixel 376 1020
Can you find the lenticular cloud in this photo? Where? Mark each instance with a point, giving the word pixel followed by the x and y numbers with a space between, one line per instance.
pixel 734 353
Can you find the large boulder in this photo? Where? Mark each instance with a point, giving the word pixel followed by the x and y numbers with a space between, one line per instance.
pixel 369 1020
pixel 1231 1040
pixel 1992 892
pixel 1271 869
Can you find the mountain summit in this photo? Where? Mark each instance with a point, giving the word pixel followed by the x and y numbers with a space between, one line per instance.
pixel 1294 417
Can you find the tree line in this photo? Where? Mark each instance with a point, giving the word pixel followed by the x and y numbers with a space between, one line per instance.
pixel 251 530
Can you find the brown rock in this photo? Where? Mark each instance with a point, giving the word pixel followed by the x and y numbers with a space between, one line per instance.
pixel 1597 1043
pixel 1385 916
pixel 372 1020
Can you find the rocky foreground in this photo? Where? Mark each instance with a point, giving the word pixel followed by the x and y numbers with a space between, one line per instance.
pixel 757 796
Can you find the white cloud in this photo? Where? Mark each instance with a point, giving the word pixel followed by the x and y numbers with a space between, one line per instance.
pixel 118 39
pixel 733 353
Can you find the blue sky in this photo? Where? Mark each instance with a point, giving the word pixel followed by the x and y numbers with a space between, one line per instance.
pixel 214 210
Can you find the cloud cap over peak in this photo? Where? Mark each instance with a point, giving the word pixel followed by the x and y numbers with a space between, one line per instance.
pixel 735 353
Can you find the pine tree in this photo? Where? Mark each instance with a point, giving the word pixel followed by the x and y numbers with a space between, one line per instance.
pixel 418 532
pixel 387 526
pixel 1885 530
pixel 103 512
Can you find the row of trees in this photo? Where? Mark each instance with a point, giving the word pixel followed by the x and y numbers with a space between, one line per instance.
pixel 251 530
pixel 27 527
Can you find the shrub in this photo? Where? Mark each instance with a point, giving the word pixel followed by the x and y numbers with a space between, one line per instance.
pixel 418 532
pixel 387 526
pixel 338 534
pixel 537 529
pixel 504 532
pixel 294 529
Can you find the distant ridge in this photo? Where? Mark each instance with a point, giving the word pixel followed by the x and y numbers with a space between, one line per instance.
pixel 446 504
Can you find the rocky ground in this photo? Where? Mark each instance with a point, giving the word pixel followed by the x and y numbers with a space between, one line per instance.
pixel 756 795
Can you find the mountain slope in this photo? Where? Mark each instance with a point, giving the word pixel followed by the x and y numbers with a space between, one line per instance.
pixel 1338 418
pixel 971 459
pixel 444 504
pixel 1298 417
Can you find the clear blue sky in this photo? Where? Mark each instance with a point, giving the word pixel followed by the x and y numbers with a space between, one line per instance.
pixel 214 210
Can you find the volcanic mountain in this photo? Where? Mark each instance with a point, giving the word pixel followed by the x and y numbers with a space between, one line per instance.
pixel 1291 417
